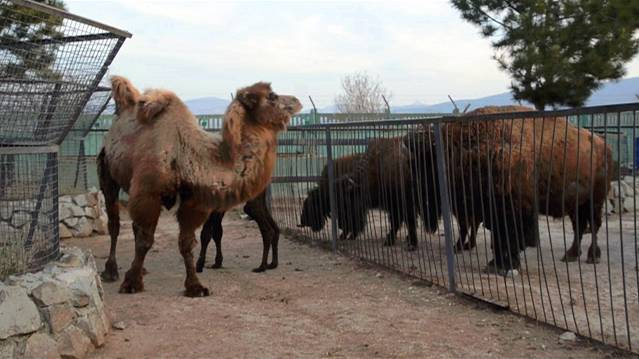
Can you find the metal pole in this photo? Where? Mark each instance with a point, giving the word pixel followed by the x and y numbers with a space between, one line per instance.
pixel 445 207
pixel 388 110
pixel 313 111
pixel 331 187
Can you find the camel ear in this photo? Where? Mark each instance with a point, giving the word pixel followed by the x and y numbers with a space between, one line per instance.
pixel 248 99
pixel 149 108
pixel 124 93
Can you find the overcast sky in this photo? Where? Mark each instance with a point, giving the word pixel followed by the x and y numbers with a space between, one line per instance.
pixel 421 50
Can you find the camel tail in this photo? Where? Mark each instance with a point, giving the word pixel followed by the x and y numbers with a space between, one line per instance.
pixel 124 93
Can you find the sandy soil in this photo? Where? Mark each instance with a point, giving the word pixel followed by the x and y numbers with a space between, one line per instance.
pixel 315 305
pixel 599 301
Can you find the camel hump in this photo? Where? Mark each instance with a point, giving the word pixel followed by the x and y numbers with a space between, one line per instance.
pixel 124 93
pixel 152 103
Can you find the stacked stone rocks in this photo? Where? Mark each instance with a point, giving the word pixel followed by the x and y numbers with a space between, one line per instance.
pixel 56 313
pixel 82 215
pixel 621 197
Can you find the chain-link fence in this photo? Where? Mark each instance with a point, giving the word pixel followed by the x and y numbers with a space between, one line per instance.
pixel 491 205
pixel 51 62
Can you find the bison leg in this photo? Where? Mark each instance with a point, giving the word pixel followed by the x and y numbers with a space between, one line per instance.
pixel 190 219
pixel 392 234
pixel 412 231
pixel 463 230
pixel 211 229
pixel 578 227
pixel 472 236
pixel 257 209
pixel 594 252
pixel 145 211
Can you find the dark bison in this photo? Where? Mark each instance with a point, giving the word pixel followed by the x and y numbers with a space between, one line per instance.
pixel 383 179
pixel 379 178
pixel 317 208
pixel 519 167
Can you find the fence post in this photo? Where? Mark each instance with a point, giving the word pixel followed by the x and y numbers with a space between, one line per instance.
pixel 442 176
pixel 331 187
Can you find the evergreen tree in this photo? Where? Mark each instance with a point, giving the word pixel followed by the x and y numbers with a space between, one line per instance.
pixel 21 29
pixel 557 52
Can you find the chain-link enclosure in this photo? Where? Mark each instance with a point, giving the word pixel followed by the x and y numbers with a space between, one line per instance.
pixel 51 62
pixel 492 205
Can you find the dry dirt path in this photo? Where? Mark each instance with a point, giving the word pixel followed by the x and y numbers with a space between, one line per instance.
pixel 315 305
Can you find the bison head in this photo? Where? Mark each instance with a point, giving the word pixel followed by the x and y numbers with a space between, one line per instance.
pixel 315 210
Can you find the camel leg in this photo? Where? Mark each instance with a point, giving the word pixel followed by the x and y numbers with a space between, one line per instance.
pixel 190 219
pixel 573 253
pixel 211 229
pixel 145 211
pixel 257 209
pixel 110 189
pixel 594 252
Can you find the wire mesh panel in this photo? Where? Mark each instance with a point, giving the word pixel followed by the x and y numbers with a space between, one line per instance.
pixel 495 204
pixel 78 171
pixel 50 65
pixel 28 209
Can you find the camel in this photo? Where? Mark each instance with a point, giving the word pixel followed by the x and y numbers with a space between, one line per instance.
pixel 258 210
pixel 157 152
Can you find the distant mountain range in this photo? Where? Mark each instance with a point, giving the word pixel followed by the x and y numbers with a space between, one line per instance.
pixel 622 91
pixel 614 92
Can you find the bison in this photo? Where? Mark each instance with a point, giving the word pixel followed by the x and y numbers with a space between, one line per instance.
pixel 525 166
pixel 316 207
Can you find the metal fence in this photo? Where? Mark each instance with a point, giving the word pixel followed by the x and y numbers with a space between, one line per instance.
pixel 517 187
pixel 50 64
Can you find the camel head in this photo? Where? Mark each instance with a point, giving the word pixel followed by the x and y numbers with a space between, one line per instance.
pixel 265 107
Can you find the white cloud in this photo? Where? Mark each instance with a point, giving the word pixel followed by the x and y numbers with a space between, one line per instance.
pixel 422 50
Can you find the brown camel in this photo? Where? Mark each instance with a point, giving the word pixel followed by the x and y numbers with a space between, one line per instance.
pixel 157 152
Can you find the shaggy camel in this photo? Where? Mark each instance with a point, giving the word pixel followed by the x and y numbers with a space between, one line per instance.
pixel 257 209
pixel 157 152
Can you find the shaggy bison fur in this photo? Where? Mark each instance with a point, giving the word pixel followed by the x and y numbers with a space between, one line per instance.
pixel 316 208
pixel 522 167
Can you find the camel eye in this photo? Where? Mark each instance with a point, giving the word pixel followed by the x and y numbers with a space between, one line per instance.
pixel 272 96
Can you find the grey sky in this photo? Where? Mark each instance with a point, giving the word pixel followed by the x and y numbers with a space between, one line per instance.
pixel 421 50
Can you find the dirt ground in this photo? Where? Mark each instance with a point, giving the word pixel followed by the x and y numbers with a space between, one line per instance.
pixel 315 305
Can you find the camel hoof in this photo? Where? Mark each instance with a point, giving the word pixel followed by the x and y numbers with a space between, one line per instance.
pixel 216 265
pixel 260 269
pixel 411 248
pixel 109 276
pixel 110 273
pixel 131 287
pixel 196 291
pixel 388 243
pixel 199 266
pixel 273 265
pixel 468 246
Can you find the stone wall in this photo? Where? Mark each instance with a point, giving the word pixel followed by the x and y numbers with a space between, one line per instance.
pixel 82 215
pixel 55 313
pixel 621 197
